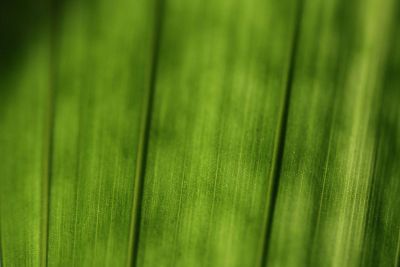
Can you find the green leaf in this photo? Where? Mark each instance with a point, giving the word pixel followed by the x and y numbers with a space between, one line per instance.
pixel 219 94
pixel 328 202
pixel 101 75
pixel 24 144
pixel 200 133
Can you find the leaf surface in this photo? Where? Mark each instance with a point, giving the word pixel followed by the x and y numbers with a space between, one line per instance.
pixel 219 94
pixel 24 138
pixel 335 149
pixel 101 71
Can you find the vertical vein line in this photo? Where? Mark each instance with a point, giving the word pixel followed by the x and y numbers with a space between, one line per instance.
pixel 144 136
pixel 280 140
pixel 48 143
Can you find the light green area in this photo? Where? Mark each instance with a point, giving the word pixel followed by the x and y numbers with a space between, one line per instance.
pixel 336 149
pixel 101 72
pixel 220 83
